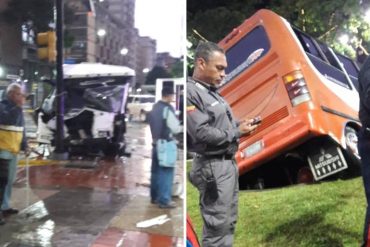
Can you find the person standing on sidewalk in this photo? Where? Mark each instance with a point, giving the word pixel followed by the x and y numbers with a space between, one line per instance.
pixel 213 134
pixel 12 140
pixel 162 117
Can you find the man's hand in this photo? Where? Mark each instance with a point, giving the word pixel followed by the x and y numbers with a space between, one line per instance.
pixel 246 126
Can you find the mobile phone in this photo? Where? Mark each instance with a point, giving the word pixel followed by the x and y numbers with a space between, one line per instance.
pixel 256 120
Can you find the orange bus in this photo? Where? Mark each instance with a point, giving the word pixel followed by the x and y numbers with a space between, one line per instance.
pixel 306 95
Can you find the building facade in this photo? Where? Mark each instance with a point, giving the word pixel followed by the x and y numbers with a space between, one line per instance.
pixel 79 32
pixel 94 31
pixel 165 60
pixel 10 46
pixel 146 56
pixel 18 57
pixel 104 32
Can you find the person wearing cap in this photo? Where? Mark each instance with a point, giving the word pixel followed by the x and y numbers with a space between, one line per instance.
pixel 213 135
pixel 12 140
pixel 162 117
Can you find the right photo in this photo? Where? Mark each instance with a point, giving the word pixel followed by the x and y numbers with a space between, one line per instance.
pixel 278 123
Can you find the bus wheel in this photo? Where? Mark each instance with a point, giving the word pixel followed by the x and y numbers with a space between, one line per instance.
pixel 305 176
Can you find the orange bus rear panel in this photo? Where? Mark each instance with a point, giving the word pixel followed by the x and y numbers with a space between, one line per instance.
pixel 298 86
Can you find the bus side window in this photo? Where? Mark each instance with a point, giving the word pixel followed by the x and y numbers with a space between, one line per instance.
pixel 309 45
pixel 329 56
pixel 350 67
pixel 323 59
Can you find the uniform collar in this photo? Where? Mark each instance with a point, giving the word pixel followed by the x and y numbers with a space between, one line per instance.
pixel 202 85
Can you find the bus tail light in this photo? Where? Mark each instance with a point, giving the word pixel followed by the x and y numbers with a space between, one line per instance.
pixel 297 89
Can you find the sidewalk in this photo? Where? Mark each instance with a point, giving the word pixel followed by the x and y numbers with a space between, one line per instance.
pixel 93 205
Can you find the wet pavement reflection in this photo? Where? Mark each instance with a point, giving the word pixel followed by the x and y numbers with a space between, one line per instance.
pixel 95 205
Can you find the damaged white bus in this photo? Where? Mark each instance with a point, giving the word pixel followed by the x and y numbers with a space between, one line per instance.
pixel 95 98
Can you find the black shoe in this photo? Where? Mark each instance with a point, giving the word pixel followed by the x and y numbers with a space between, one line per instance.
pixel 10 211
pixel 153 201
pixel 169 205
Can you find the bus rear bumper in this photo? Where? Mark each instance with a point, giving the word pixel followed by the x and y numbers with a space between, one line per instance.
pixel 273 144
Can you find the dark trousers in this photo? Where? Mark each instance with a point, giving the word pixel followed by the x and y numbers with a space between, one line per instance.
pixel 364 150
pixel 4 173
pixel 219 205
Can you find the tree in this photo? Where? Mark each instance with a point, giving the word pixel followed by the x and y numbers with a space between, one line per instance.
pixel 214 19
pixel 155 73
pixel 326 22
pixel 177 69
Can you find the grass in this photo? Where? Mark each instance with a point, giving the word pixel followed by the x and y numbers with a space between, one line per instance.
pixel 329 214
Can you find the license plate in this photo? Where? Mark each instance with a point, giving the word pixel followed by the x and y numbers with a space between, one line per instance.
pixel 327 161
pixel 253 149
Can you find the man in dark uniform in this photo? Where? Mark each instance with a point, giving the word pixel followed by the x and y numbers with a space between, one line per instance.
pixel 364 140
pixel 213 134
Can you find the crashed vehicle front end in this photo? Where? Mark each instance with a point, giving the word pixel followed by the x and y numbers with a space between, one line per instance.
pixel 94 113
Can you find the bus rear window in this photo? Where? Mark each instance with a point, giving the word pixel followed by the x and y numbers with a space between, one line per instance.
pixel 247 51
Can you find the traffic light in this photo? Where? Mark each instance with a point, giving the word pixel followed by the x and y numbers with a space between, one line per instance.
pixel 47 50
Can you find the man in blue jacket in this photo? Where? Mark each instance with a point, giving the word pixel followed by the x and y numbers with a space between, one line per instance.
pixel 163 125
pixel 12 140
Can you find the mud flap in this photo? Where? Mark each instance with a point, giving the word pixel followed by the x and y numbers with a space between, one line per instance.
pixel 326 161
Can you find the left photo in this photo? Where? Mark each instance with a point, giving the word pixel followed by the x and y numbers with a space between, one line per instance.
pixel 91 123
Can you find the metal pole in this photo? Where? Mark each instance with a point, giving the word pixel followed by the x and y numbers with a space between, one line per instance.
pixel 27 180
pixel 59 147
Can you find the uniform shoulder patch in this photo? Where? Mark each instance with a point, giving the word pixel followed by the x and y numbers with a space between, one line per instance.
pixel 190 108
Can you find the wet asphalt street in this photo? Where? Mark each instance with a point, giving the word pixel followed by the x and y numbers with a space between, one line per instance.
pixel 93 203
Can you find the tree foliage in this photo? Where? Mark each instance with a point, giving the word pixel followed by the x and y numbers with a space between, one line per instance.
pixel 177 69
pixel 324 21
pixel 155 73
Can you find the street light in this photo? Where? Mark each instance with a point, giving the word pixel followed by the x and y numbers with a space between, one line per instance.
pixel 344 39
pixel 101 32
pixel 146 70
pixel 124 51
